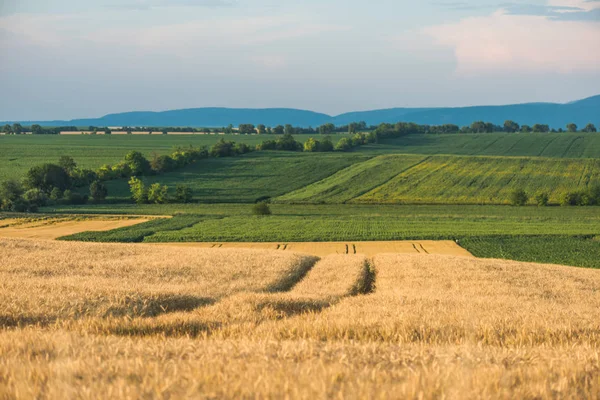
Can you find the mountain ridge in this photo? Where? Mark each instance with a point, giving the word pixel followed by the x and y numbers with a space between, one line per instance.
pixel 557 115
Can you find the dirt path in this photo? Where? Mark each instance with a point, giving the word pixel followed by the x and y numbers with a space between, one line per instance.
pixel 442 247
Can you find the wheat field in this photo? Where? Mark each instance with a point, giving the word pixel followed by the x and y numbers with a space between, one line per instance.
pixel 95 321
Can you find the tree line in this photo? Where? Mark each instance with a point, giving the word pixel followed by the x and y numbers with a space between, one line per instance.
pixel 325 129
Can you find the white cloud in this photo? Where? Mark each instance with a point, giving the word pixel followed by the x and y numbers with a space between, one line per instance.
pixel 582 4
pixel 503 42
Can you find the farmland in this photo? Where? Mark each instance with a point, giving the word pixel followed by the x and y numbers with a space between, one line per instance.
pixel 323 223
pixel 551 145
pixel 152 321
pixel 247 178
pixel 21 152
pixel 481 180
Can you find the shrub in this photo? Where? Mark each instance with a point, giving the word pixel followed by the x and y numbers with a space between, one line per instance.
pixel 241 148
pixel 138 164
pixel 326 145
pixel 311 145
pixel 162 163
pixel 344 144
pixel 261 208
pixel 98 191
pixel 594 195
pixel 571 199
pixel 542 199
pixel 139 194
pixel 35 197
pixel 56 194
pixel 223 148
pixel 183 194
pixel 518 197
pixel 46 177
pixel 158 193
pixel 10 190
pixel 82 177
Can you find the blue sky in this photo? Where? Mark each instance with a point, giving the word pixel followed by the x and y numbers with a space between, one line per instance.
pixel 65 59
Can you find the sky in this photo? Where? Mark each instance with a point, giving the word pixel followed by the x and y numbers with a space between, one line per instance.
pixel 64 59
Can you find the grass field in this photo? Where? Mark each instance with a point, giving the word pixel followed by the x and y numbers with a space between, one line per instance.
pixel 355 177
pixel 351 182
pixel 484 180
pixel 135 321
pixel 551 145
pixel 21 152
pixel 582 251
pixel 247 178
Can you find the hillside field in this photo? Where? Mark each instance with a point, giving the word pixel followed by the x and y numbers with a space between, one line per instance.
pixel 19 153
pixel 140 321
pixel 356 177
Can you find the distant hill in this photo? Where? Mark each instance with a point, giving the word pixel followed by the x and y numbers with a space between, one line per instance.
pixel 556 115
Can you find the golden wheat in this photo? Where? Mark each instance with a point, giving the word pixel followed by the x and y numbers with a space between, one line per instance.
pixel 430 327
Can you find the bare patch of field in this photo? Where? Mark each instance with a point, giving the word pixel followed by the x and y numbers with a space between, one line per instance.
pixel 84 320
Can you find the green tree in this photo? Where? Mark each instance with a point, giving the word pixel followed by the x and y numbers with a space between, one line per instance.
pixel 571 199
pixel 107 131
pixel 7 129
pixel 138 190
pixel 541 128
pixel 17 129
pixel 67 163
pixel 511 126
pixel 571 127
pixel 326 129
pixel 289 130
pixel 246 129
pixel 10 194
pixel 311 145
pixel 158 193
pixel 138 164
pixel 326 145
pixel 261 208
pixel 56 194
pixel 519 197
pixel 35 197
pixel 183 194
pixel 228 129
pixel 525 128
pixel 261 129
pixel 542 199
pixel 589 128
pixel 98 191
pixel 278 130
pixel 46 177
pixel 344 144
pixel 223 148
pixel 37 129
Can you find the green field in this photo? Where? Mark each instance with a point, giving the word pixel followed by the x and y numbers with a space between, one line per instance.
pixel 234 222
pixel 484 180
pixel 353 181
pixel 581 251
pixel 245 179
pixel 18 153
